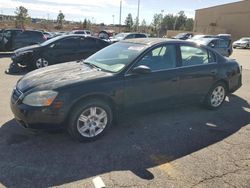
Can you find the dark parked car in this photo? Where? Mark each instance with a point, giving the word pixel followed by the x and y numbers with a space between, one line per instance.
pixel 131 74
pixel 7 37
pixel 27 38
pixel 223 46
pixel 57 50
pixel 183 36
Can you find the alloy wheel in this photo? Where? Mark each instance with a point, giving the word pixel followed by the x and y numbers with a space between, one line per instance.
pixel 41 62
pixel 217 96
pixel 92 121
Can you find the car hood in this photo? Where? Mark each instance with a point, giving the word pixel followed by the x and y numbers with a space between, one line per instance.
pixel 27 48
pixel 56 76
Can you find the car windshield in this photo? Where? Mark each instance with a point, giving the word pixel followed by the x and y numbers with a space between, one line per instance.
pixel 180 35
pixel 245 39
pixel 121 35
pixel 115 57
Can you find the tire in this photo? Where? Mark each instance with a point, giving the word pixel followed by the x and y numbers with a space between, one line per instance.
pixel 216 96
pixel 38 63
pixel 247 46
pixel 90 120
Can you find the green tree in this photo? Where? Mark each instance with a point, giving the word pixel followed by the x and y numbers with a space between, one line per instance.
pixel 60 20
pixel 189 25
pixel 180 21
pixel 143 26
pixel 156 23
pixel 129 22
pixel 136 24
pixel 168 21
pixel 22 17
pixel 85 24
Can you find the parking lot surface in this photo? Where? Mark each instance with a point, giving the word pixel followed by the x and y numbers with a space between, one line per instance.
pixel 186 146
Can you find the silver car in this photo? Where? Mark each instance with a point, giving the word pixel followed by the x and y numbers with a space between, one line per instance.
pixel 242 43
pixel 223 46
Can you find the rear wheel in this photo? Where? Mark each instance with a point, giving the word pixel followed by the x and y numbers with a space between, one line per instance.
pixel 216 96
pixel 89 120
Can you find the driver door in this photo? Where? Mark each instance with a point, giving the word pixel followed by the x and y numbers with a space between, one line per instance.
pixel 160 86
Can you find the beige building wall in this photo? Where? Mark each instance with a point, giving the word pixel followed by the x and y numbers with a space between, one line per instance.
pixel 233 18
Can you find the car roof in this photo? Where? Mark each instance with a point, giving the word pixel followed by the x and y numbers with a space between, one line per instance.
pixel 76 35
pixel 153 41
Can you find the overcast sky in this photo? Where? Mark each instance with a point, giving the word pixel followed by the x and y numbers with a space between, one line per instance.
pixel 102 10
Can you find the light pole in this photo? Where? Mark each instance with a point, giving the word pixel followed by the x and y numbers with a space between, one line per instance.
pixel 120 20
pixel 113 19
pixel 138 14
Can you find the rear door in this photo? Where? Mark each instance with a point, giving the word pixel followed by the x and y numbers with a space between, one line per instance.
pixel 88 46
pixel 198 72
pixel 64 50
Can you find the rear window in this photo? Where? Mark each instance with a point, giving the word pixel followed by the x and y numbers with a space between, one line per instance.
pixel 30 34
pixel 79 32
pixel 140 36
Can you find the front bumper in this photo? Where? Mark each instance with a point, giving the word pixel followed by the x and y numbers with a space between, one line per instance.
pixel 20 59
pixel 37 117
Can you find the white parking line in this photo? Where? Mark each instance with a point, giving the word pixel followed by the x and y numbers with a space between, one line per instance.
pixel 98 183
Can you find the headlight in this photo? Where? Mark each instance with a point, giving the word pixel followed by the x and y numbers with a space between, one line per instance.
pixel 40 98
pixel 23 53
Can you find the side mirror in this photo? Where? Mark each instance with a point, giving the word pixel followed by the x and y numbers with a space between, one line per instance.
pixel 141 69
pixel 212 45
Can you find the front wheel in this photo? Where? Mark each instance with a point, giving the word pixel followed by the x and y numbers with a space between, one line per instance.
pixel 89 120
pixel 39 63
pixel 216 96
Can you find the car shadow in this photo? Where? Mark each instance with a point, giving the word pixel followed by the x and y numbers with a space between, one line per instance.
pixel 40 159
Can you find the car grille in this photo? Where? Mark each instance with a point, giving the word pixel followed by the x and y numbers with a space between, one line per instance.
pixel 16 95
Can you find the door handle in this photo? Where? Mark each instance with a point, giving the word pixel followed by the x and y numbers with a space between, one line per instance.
pixel 214 72
pixel 175 79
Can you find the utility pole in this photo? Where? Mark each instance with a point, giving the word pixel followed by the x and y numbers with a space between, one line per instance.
pixel 138 11
pixel 113 19
pixel 120 20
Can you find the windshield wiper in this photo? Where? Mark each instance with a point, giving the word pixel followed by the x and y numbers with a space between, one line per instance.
pixel 92 65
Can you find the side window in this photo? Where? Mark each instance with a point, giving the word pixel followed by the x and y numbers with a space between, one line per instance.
pixel 211 57
pixel 131 36
pixel 140 36
pixel 88 43
pixel 160 58
pixel 195 56
pixel 69 43
pixel 7 34
pixel 223 43
pixel 213 44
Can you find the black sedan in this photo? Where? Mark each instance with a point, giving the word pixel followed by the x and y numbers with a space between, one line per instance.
pixel 57 50
pixel 138 73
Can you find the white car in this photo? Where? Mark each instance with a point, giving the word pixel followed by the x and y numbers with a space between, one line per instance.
pixel 242 43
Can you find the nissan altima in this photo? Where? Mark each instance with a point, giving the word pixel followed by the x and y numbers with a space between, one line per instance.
pixel 85 97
